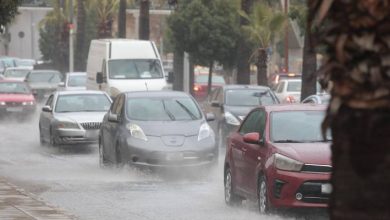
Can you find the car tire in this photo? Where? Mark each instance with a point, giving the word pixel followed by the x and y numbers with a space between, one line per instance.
pixel 231 198
pixel 118 157
pixel 103 162
pixel 53 141
pixel 41 138
pixel 262 196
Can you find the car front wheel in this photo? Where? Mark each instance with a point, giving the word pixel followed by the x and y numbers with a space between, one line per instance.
pixel 102 160
pixel 230 197
pixel 262 198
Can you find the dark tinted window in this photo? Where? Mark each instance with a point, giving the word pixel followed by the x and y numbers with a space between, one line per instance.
pixel 135 69
pixel 251 97
pixel 82 103
pixel 255 122
pixel 50 77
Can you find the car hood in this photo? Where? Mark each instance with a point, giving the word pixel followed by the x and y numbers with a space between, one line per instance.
pixel 170 128
pixel 239 111
pixel 308 153
pixel 43 85
pixel 80 117
pixel 16 97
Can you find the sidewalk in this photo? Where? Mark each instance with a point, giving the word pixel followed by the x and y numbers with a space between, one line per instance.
pixel 15 204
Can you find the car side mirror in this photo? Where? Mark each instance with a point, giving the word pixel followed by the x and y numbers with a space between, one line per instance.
pixel 61 84
pixel 215 104
pixel 210 117
pixel 47 108
pixel 171 77
pixel 99 77
pixel 252 138
pixel 113 117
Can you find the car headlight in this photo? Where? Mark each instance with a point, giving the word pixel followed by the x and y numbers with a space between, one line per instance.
pixel 286 163
pixel 3 103
pixel 136 132
pixel 67 125
pixel 28 103
pixel 204 131
pixel 231 119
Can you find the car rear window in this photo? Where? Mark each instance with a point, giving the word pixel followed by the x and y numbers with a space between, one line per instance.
pixel 162 109
pixel 51 77
pixel 205 78
pixel 297 126
pixel 77 80
pixel 250 97
pixel 294 86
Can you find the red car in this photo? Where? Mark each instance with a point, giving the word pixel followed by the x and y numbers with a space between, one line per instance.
pixel 201 82
pixel 279 158
pixel 16 97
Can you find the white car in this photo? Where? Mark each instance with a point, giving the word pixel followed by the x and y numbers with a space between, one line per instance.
pixel 75 81
pixel 289 90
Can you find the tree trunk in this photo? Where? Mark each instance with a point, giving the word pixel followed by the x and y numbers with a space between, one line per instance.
pixel 80 37
pixel 178 67
pixel 244 51
pixel 262 78
pixel 192 75
pixel 144 20
pixel 309 68
pixel 122 19
pixel 210 79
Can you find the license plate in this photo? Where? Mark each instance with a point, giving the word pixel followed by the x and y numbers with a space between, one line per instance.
pixel 14 109
pixel 326 188
pixel 174 156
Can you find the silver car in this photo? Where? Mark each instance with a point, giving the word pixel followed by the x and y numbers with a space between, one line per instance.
pixel 73 117
pixel 75 81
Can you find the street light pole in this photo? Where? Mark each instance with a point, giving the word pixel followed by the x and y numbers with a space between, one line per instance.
pixel 71 28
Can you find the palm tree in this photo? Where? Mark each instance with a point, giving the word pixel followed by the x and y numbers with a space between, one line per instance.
pixel 106 10
pixel 80 36
pixel 265 25
pixel 354 36
pixel 122 19
pixel 144 31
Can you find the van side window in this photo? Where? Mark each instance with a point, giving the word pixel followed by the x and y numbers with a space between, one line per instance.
pixel 104 70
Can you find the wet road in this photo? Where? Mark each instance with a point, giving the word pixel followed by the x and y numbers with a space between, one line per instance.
pixel 71 179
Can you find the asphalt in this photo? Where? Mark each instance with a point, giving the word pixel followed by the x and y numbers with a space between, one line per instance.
pixel 17 204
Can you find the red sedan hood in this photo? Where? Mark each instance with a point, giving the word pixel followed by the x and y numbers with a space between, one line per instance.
pixel 16 97
pixel 308 153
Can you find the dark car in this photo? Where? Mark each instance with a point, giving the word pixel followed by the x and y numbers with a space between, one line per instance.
pixel 44 82
pixel 157 130
pixel 279 158
pixel 16 98
pixel 231 103
pixel 317 99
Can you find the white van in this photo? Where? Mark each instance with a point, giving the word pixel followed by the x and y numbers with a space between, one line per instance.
pixel 120 65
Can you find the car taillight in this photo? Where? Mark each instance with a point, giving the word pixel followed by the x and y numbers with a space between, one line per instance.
pixel 197 88
pixel 290 99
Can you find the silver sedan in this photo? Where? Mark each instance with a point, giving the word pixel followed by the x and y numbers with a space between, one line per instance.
pixel 73 117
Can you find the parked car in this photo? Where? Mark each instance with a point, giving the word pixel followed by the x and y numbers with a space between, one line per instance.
pixel 231 103
pixel 157 130
pixel 75 81
pixel 317 99
pixel 29 63
pixel 16 73
pixel 43 82
pixel 279 158
pixel 73 117
pixel 16 97
pixel 201 83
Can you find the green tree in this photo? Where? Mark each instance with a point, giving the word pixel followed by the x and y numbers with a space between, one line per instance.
pixel 144 30
pixel 354 37
pixel 8 10
pixel 106 11
pixel 265 24
pixel 122 19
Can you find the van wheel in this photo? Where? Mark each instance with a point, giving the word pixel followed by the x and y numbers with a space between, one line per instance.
pixel 231 198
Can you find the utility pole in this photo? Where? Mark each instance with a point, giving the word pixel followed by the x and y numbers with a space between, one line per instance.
pixel 71 28
pixel 286 37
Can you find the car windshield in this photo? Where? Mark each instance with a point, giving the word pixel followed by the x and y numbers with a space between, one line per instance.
pixel 294 86
pixel 82 103
pixel 77 80
pixel 205 78
pixel 16 73
pixel 162 109
pixel 14 87
pixel 134 69
pixel 297 126
pixel 50 77
pixel 250 97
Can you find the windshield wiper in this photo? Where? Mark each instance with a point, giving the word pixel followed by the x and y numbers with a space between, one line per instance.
pixel 193 117
pixel 168 112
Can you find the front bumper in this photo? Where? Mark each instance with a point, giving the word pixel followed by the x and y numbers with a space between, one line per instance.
pixel 76 136
pixel 299 189
pixel 18 109
pixel 155 154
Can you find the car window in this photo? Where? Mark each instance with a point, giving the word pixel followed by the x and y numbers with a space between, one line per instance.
pixel 82 103
pixel 251 123
pixel 49 101
pixel 119 107
pixel 248 97
pixel 16 73
pixel 294 86
pixel 280 87
pixel 214 95
pixel 49 77
pixel 205 79
pixel 162 109
pixel 300 126
pixel 14 87
pixel 77 80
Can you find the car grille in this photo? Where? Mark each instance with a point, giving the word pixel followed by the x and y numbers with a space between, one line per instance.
pixel 311 192
pixel 91 125
pixel 312 168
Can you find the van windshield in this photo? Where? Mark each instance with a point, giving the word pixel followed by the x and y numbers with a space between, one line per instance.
pixel 134 69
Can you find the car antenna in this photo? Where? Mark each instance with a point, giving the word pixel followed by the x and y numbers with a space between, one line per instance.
pixel 146 85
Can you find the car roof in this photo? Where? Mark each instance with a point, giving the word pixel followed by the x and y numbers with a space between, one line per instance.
pixel 74 92
pixel 294 107
pixel 232 87
pixel 142 94
pixel 76 73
